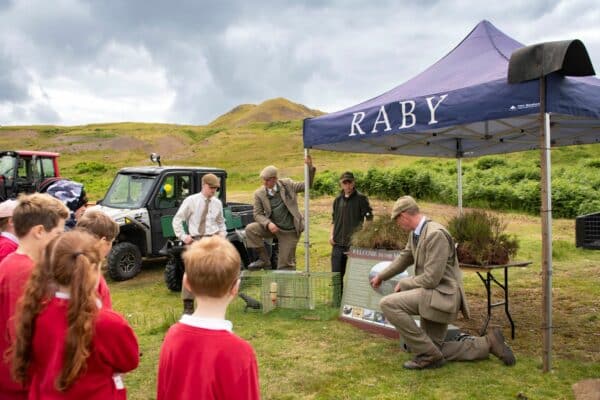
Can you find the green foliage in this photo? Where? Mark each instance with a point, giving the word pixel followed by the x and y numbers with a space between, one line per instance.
pixel 489 162
pixel 91 167
pixel 482 239
pixel 381 233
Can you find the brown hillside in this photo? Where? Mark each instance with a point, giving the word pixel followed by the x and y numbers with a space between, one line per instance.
pixel 278 109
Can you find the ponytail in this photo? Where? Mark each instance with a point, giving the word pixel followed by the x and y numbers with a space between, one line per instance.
pixel 28 308
pixel 81 313
pixel 72 260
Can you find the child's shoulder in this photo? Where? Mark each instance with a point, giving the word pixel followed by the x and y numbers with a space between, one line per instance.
pixel 109 319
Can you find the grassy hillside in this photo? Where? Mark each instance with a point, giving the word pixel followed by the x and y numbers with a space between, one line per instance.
pixel 241 141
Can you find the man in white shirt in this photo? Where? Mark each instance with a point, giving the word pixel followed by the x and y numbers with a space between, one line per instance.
pixel 203 213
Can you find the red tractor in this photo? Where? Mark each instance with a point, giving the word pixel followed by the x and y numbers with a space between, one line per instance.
pixel 25 171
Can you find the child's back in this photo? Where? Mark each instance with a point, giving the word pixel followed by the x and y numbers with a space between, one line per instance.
pixel 114 347
pixel 203 359
pixel 200 357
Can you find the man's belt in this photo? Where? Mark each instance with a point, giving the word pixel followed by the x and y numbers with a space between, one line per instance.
pixel 198 237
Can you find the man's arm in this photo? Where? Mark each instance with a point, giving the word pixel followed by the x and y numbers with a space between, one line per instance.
pixel 259 212
pixel 220 220
pixel 299 186
pixel 183 213
pixel 365 208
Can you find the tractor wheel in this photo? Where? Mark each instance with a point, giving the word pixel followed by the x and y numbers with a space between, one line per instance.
pixel 124 261
pixel 173 274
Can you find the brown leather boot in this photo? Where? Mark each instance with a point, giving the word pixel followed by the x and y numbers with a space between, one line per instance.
pixel 188 306
pixel 499 348
pixel 263 261
pixel 425 361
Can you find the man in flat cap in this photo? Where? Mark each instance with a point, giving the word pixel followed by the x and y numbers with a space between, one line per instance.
pixel 203 213
pixel 435 293
pixel 276 214
pixel 350 209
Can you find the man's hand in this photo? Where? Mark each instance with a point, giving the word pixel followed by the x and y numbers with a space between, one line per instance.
pixel 272 227
pixel 331 241
pixel 308 161
pixel 376 282
pixel 187 239
pixel 397 288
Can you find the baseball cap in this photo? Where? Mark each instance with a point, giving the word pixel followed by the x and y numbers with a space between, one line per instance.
pixel 7 207
pixel 347 176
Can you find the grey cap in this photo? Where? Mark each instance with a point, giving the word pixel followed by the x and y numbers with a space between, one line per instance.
pixel 404 203
pixel 269 172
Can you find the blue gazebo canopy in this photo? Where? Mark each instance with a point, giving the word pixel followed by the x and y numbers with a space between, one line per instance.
pixel 463 106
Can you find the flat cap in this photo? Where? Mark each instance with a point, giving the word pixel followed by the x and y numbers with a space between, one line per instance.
pixel 7 207
pixel 269 172
pixel 347 176
pixel 404 203
pixel 211 180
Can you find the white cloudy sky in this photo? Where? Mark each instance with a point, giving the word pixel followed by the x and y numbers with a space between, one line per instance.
pixel 73 62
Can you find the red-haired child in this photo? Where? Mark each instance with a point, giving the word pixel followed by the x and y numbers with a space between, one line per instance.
pixel 67 345
pixel 200 357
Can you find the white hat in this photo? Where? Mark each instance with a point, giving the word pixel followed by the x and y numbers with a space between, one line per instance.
pixel 7 207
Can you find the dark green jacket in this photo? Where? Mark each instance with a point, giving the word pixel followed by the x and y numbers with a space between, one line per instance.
pixel 349 213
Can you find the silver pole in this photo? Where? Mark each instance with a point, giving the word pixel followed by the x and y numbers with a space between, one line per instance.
pixel 306 215
pixel 546 214
pixel 459 185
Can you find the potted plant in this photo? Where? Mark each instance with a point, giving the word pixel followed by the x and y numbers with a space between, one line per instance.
pixel 482 239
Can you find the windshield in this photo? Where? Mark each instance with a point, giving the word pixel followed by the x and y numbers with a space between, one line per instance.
pixel 129 191
pixel 7 165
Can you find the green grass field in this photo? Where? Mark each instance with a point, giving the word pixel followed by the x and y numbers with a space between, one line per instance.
pixel 306 354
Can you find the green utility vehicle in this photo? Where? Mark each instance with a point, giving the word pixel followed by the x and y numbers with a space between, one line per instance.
pixel 143 201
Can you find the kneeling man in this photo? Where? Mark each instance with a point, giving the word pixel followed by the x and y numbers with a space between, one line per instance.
pixel 435 293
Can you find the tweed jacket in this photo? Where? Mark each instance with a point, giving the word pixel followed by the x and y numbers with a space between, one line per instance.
pixel 437 274
pixel 289 194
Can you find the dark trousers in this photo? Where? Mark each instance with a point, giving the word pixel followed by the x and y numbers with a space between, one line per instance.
pixel 339 259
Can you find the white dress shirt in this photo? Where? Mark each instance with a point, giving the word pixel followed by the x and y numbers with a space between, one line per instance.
pixel 191 211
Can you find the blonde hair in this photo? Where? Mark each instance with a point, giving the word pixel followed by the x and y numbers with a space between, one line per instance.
pixel 212 266
pixel 38 209
pixel 71 259
pixel 99 224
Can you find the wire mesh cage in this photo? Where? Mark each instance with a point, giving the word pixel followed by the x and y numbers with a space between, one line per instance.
pixel 268 290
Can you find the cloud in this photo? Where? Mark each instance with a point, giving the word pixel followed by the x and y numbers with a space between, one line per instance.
pixel 190 61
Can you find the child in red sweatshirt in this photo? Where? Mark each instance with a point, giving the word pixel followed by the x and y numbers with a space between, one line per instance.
pixel 67 346
pixel 37 219
pixel 200 357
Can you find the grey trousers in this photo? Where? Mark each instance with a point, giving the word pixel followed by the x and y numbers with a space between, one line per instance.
pixel 428 339
pixel 287 240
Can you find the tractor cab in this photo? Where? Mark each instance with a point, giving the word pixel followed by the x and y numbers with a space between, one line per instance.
pixel 25 171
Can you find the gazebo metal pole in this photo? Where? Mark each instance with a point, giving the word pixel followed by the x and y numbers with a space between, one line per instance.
pixel 546 216
pixel 459 182
pixel 306 215
pixel 459 185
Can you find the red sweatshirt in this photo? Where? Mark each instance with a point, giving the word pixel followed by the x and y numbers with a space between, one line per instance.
pixel 14 273
pixel 114 350
pixel 15 270
pixel 202 359
pixel 7 246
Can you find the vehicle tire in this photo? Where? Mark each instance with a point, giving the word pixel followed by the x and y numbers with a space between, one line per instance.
pixel 124 261
pixel 174 274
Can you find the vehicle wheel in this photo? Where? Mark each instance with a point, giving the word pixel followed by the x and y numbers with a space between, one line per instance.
pixel 124 261
pixel 173 274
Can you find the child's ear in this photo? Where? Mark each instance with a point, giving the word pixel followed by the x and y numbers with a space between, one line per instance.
pixel 186 284
pixel 236 288
pixel 38 231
